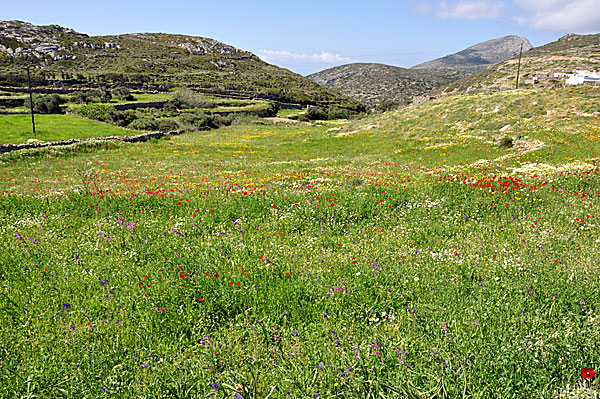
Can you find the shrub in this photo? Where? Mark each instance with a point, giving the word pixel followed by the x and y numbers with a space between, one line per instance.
pixel 335 112
pixel 123 93
pixel 387 105
pixel 221 120
pixel 101 94
pixel 170 106
pixel 273 109
pixel 81 97
pixel 166 125
pixel 46 104
pixel 200 120
pixel 506 142
pixel 122 118
pixel 248 120
pixel 192 100
pixel 190 121
pixel 99 112
pixel 314 113
pixel 143 124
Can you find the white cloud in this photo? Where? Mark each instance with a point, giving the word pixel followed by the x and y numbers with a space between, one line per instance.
pixel 289 57
pixel 422 8
pixel 469 9
pixel 576 16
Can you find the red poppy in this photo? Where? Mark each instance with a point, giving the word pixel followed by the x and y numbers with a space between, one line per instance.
pixel 200 299
pixel 587 373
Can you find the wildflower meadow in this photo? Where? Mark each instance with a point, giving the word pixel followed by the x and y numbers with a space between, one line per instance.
pixel 407 255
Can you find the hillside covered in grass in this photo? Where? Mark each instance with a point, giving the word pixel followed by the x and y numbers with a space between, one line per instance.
pixel 66 58
pixel 448 249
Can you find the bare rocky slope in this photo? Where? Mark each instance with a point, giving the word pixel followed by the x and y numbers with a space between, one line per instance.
pixel 374 83
pixel 480 56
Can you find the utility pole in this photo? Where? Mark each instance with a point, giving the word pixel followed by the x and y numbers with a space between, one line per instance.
pixel 30 99
pixel 519 67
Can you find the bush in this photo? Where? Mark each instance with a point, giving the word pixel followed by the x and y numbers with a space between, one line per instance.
pixel 123 93
pixel 170 106
pixel 273 109
pixel 506 142
pixel 99 112
pixel 192 100
pixel 335 112
pixel 387 105
pixel 166 125
pixel 101 94
pixel 81 97
pixel 314 113
pixel 248 120
pixel 200 120
pixel 190 121
pixel 143 124
pixel 46 104
pixel 122 118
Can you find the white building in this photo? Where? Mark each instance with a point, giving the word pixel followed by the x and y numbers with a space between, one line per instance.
pixel 581 77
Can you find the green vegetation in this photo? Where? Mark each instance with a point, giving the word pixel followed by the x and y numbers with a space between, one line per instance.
pixel 403 255
pixel 45 103
pixel 16 129
pixel 157 61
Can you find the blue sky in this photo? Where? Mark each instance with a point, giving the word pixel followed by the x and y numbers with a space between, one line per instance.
pixel 308 36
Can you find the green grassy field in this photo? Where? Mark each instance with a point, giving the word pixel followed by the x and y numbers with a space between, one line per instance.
pixel 17 128
pixel 406 255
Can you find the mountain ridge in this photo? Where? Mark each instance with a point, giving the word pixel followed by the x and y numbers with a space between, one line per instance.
pixel 480 55
pixel 373 83
pixel 570 52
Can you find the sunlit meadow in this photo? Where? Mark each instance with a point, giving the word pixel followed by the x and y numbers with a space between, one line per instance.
pixel 406 255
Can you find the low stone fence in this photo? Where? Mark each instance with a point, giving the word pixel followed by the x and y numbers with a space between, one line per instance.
pixel 257 112
pixel 150 104
pixel 128 139
pixel 12 102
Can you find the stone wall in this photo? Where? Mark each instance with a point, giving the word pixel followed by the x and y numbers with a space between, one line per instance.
pixel 150 104
pixel 128 139
pixel 12 102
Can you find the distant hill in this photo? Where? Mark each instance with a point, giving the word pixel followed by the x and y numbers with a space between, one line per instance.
pixel 374 83
pixel 66 58
pixel 569 53
pixel 480 56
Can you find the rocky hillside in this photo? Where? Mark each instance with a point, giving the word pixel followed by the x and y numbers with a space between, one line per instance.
pixel 569 53
pixel 65 57
pixel 480 56
pixel 374 83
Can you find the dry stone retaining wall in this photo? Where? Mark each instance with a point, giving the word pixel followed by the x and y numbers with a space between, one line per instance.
pixel 128 139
